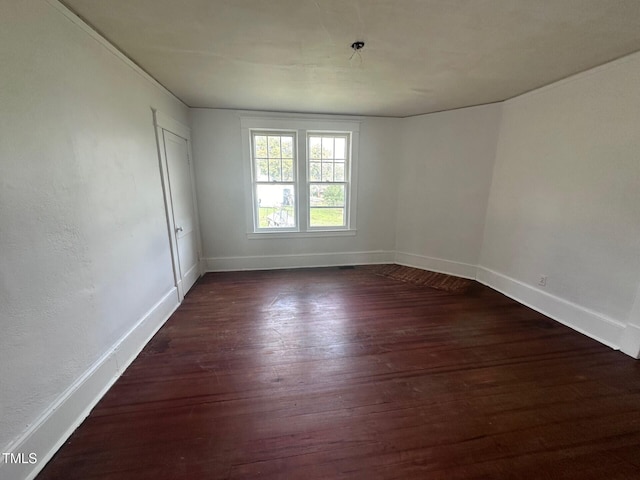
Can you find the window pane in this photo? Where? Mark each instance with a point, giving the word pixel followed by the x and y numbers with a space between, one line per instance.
pixel 314 148
pixel 341 148
pixel 326 195
pixel 327 217
pixel 315 173
pixel 339 171
pixel 261 146
pixel 275 173
pixel 287 147
pixel 327 148
pixel 276 206
pixel 287 170
pixel 274 147
pixel 262 170
pixel 327 172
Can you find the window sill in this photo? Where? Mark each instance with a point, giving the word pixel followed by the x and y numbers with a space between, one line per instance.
pixel 312 234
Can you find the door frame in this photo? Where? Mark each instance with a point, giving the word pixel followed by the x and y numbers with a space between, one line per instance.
pixel 163 123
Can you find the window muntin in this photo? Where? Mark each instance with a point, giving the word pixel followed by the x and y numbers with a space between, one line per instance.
pixel 274 180
pixel 328 179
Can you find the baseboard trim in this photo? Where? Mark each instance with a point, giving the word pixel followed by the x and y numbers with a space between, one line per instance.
pixel 458 269
pixel 588 322
pixel 630 341
pixel 49 432
pixel 305 260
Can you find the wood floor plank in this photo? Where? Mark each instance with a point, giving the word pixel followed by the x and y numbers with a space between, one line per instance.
pixel 332 373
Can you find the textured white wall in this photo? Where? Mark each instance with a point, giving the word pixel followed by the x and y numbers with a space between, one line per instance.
pixel 444 182
pixel 217 149
pixel 84 251
pixel 565 198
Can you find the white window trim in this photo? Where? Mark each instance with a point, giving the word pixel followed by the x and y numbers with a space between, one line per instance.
pixel 302 125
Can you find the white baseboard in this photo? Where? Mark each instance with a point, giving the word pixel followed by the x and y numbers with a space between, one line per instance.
pixel 274 262
pixel 458 269
pixel 588 322
pixel 630 341
pixel 47 434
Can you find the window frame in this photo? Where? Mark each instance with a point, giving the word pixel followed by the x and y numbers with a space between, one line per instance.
pixel 347 175
pixel 256 182
pixel 302 125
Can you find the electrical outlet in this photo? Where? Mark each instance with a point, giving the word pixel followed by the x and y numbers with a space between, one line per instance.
pixel 542 281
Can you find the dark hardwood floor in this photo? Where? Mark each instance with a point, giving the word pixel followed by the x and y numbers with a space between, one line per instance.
pixel 338 373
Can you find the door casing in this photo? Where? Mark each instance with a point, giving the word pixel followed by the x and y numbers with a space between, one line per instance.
pixel 163 122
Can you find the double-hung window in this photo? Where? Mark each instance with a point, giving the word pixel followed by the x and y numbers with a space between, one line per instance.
pixel 328 179
pixel 275 179
pixel 301 174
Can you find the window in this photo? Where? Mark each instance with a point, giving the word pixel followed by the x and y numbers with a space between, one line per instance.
pixel 301 176
pixel 328 178
pixel 274 166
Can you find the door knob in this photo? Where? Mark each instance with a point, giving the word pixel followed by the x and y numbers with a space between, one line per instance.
pixel 178 229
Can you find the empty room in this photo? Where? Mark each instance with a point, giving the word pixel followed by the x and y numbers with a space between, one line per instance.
pixel 318 239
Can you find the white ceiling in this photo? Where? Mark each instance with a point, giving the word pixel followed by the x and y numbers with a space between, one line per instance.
pixel 420 56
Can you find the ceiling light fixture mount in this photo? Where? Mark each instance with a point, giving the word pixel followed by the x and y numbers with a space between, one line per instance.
pixel 356 47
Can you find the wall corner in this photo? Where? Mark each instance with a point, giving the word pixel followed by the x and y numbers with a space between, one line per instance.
pixel 630 338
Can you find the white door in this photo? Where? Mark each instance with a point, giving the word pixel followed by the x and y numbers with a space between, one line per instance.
pixel 182 218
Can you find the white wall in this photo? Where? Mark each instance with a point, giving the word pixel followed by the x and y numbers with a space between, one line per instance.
pixel 84 250
pixel 220 185
pixel 443 188
pixel 565 200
